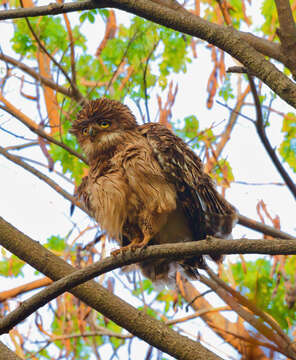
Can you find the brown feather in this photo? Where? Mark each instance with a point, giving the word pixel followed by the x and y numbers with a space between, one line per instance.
pixel 146 186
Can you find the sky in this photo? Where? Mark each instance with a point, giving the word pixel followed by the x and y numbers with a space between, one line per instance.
pixel 38 211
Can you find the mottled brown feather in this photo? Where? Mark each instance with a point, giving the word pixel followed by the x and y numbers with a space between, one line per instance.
pixel 145 185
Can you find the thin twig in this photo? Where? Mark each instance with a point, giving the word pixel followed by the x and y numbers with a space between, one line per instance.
pixel 259 184
pixel 260 127
pixel 145 80
pixel 43 48
pixel 21 146
pixel 43 134
pixel 46 167
pixel 237 112
pixel 121 62
pixel 41 176
pixel 43 80
pixel 250 317
pixel 251 306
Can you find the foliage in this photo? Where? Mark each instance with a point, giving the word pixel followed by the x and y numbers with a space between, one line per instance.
pixel 288 146
pixel 264 290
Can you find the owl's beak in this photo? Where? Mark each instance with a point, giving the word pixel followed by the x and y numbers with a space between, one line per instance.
pixel 92 132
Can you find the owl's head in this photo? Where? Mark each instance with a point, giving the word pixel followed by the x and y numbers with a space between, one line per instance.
pixel 101 124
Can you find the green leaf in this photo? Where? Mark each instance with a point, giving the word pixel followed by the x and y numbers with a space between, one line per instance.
pixel 226 91
pixel 258 286
pixel 11 266
pixel 56 242
pixel 287 148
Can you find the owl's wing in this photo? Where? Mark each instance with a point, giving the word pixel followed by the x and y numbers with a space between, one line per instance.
pixel 207 212
pixel 83 193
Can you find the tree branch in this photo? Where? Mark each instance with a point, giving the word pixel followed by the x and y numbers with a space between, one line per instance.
pixel 218 323
pixel 12 110
pixel 260 127
pixel 264 229
pixel 7 354
pixel 242 220
pixel 246 315
pixel 43 48
pixel 33 285
pixel 136 322
pixel 287 34
pixel 254 309
pixel 171 251
pixel 43 177
pixel 43 80
pixel 226 38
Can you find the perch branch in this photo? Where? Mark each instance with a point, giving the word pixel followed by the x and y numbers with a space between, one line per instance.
pixel 135 321
pixel 172 251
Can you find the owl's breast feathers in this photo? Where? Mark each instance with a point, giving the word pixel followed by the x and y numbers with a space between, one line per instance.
pixel 129 190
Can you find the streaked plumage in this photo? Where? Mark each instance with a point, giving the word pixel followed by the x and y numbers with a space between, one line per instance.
pixel 146 186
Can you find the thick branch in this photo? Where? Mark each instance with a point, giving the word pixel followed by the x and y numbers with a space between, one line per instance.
pixel 226 38
pixel 261 132
pixel 136 322
pixel 172 251
pixel 263 46
pixel 287 33
pixel 7 354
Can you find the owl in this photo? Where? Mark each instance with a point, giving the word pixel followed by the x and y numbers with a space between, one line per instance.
pixel 145 186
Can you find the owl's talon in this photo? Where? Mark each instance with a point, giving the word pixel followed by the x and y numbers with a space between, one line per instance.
pixel 116 252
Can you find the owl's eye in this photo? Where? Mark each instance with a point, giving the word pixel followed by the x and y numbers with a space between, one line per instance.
pixel 85 131
pixel 104 124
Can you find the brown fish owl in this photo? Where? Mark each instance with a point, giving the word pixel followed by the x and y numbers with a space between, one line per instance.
pixel 146 186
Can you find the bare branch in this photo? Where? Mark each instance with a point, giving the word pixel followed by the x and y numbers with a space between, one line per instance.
pixel 43 80
pixel 145 80
pixel 265 229
pixel 252 307
pixel 260 127
pixel 21 146
pixel 101 332
pixel 219 323
pixel 33 285
pixel 12 110
pixel 41 176
pixel 265 330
